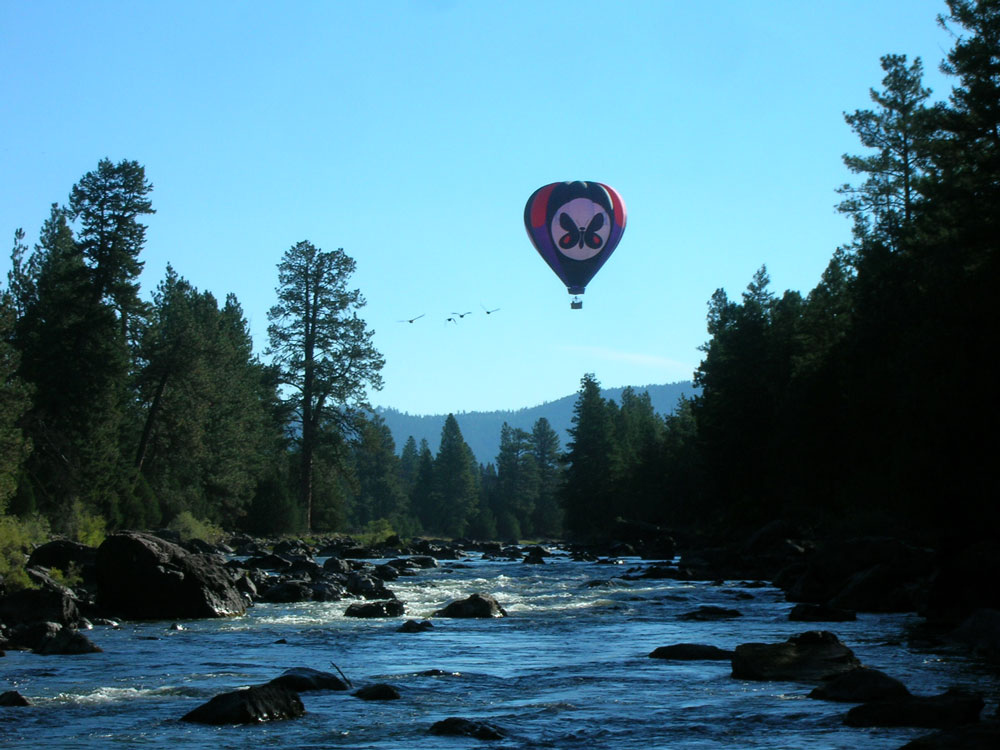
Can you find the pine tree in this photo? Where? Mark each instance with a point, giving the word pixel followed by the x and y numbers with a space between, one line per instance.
pixel 15 398
pixel 456 494
pixel 108 203
pixel 380 492
pixel 898 133
pixel 322 349
pixel 517 484
pixel 593 465
pixel 422 492
pixel 409 464
pixel 73 357
pixel 547 520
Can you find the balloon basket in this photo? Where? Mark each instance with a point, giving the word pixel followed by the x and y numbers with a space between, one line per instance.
pixel 576 304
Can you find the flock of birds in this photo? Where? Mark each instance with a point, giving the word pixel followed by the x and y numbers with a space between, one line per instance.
pixel 453 318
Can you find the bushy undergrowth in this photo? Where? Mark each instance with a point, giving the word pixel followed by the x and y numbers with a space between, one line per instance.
pixel 190 528
pixel 375 532
pixel 17 538
pixel 85 527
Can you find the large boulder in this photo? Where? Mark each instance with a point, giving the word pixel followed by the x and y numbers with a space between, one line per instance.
pixel 285 592
pixel 965 582
pixel 477 605
pixel 810 657
pixel 39 605
pixel 249 706
pixel 367 586
pixel 950 709
pixel 144 577
pixel 66 641
pixel 980 631
pixel 66 555
pixel 882 573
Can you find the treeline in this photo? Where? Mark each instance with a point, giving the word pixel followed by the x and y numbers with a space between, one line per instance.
pixel 869 402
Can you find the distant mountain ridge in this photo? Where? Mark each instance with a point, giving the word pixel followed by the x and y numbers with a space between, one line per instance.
pixel 481 429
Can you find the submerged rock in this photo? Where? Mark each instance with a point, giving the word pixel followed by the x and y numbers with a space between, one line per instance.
pixel 477 605
pixel 416 626
pixel 304 679
pixel 809 657
pixel 711 612
pixel 251 705
pixel 458 727
pixel 378 692
pixel 691 652
pixel 860 686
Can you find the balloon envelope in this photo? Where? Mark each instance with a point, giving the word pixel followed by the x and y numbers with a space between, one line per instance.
pixel 575 226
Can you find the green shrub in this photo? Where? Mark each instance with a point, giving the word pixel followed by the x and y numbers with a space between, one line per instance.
pixel 70 578
pixel 375 532
pixel 85 527
pixel 18 536
pixel 189 528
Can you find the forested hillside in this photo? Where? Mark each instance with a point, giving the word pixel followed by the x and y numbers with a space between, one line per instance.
pixel 481 429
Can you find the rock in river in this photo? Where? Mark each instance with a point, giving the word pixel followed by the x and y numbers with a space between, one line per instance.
pixel 860 686
pixel 144 577
pixel 13 699
pixel 477 605
pixel 385 608
pixel 377 692
pixel 950 709
pixel 691 652
pixel 458 727
pixel 809 657
pixel 303 679
pixel 249 706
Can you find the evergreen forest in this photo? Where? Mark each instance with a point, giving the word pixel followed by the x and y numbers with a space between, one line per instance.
pixel 865 404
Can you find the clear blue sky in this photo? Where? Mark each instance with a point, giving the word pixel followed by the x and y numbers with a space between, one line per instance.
pixel 411 134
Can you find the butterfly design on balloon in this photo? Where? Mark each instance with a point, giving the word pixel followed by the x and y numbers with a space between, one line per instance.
pixel 575 226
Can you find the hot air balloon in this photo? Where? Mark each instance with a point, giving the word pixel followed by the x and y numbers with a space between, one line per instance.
pixel 575 226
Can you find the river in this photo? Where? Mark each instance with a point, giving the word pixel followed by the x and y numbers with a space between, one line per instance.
pixel 568 668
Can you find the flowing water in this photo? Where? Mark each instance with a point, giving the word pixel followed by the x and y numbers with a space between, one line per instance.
pixel 567 669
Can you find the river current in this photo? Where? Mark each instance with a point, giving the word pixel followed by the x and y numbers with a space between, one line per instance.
pixel 568 668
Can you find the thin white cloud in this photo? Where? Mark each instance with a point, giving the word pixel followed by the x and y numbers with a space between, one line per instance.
pixel 635 358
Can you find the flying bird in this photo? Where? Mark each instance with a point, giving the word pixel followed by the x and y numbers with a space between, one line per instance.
pixel 462 315
pixel 410 320
pixel 488 312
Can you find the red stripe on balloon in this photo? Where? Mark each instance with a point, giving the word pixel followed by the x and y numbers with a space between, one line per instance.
pixel 539 204
pixel 617 204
